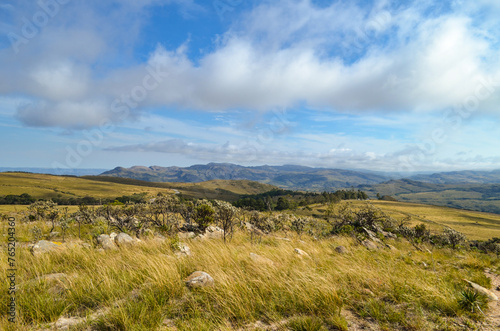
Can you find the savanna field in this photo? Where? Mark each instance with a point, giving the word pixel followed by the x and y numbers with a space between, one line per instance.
pixel 345 265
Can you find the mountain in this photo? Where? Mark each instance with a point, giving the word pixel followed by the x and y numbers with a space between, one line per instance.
pixel 286 176
pixel 467 176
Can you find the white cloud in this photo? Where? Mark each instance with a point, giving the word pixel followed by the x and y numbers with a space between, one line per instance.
pixel 283 53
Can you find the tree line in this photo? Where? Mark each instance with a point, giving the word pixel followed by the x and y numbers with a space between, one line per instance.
pixel 279 199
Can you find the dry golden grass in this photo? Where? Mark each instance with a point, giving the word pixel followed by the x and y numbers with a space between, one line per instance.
pixel 392 287
pixel 47 186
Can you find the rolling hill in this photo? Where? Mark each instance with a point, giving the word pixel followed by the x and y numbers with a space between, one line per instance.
pixel 41 186
pixel 480 197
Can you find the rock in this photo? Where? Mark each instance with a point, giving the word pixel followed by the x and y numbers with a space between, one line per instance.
pixel 341 250
pixel 106 242
pixel 64 323
pixel 44 246
pixel 389 234
pixel 123 239
pixel 214 232
pixel 199 279
pixel 186 235
pixel 491 296
pixel 369 244
pixel 183 250
pixel 300 252
pixel 113 235
pixel 371 234
pixel 261 259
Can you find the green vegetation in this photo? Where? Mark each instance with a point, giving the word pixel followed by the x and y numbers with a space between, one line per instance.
pixel 279 199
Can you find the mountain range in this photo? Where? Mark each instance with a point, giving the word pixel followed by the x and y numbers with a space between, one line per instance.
pixel 286 176
pixel 474 190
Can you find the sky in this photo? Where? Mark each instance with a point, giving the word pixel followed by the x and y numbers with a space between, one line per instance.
pixel 399 86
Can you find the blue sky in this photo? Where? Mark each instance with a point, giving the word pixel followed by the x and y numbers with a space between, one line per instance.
pixel 382 85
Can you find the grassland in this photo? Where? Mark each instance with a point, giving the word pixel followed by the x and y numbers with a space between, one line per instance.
pixel 142 288
pixel 475 225
pixel 42 186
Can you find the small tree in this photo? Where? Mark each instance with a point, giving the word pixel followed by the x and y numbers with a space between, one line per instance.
pixel 45 210
pixel 204 215
pixel 84 215
pixel 226 217
pixel 299 224
pixel 454 237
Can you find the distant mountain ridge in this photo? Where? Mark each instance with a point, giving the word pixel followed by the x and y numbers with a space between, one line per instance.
pixel 286 176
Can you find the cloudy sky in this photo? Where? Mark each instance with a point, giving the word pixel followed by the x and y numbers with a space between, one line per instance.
pixel 380 85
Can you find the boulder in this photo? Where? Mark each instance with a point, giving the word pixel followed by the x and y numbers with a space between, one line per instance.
pixel 341 250
pixel 122 239
pixel 199 279
pixel 106 242
pixel 370 245
pixel 44 246
pixel 261 259
pixel 300 252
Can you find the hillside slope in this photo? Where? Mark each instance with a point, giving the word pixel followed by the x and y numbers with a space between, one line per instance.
pixel 49 186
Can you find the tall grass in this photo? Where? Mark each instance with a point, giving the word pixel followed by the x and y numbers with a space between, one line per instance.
pixel 138 288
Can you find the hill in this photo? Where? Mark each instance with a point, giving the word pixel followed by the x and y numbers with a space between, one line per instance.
pixel 287 176
pixel 41 186
pixel 461 177
pixel 480 197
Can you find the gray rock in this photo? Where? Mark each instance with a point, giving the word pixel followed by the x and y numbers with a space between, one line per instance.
pixel 123 239
pixel 199 279
pixel 44 246
pixel 341 250
pixel 213 232
pixel 105 242
pixel 369 244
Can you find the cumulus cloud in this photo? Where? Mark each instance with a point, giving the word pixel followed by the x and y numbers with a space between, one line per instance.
pixel 342 57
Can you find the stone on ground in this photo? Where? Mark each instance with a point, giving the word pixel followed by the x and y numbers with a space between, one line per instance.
pixel 199 279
